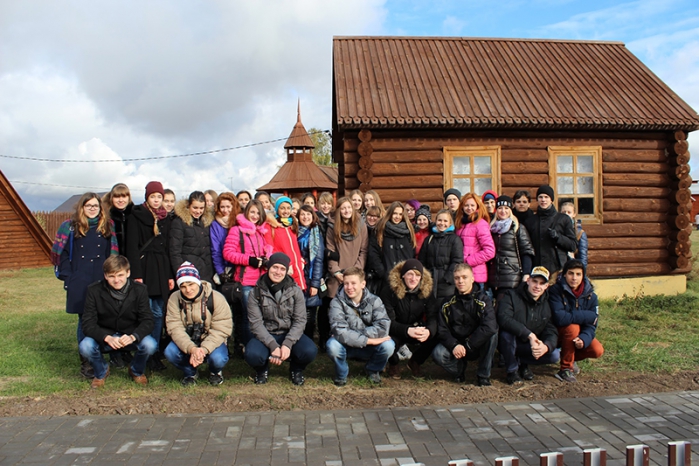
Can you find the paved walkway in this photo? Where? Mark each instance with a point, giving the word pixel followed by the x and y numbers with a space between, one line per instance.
pixel 432 436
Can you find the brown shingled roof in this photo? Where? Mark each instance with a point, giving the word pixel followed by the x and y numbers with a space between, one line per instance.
pixel 299 137
pixel 299 175
pixel 426 82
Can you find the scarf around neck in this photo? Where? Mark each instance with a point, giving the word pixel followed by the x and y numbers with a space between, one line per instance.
pixel 119 295
pixel 309 240
pixel 286 221
pixel 397 230
pixel 501 226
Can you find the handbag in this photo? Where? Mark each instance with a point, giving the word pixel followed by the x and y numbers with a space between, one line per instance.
pixel 231 288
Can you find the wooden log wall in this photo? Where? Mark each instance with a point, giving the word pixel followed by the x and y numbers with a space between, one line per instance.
pixel 645 185
pixel 20 245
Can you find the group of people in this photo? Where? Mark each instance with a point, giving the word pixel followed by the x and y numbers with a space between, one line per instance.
pixel 212 276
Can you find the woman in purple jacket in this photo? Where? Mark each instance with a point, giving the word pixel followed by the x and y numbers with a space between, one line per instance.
pixel 226 209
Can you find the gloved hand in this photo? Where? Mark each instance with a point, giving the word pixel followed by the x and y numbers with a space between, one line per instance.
pixel 332 255
pixel 553 234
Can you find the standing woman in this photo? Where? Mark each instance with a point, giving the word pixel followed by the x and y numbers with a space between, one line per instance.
pixel 423 222
pixel 411 206
pixel 357 198
pixel 393 241
pixel 210 195
pixel 169 200
pixel 473 229
pixel 190 239
pixel 371 199
pixel 148 231
pixel 326 208
pixel 309 199
pixel 346 242
pixel 119 204
pixel 441 253
pixel 226 210
pixel 514 253
pixel 248 251
pixel 312 247
pixel 82 245
pixel 282 236
pixel 243 198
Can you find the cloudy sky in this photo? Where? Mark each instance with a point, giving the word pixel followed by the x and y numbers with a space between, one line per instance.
pixel 95 80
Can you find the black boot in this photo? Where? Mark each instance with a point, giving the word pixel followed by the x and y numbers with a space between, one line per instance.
pixel 86 368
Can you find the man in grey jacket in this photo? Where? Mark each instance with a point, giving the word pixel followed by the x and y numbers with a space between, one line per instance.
pixel 277 314
pixel 359 326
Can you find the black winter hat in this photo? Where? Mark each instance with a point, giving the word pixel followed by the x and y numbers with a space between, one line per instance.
pixel 424 209
pixel 278 258
pixel 546 189
pixel 411 264
pixel 451 191
pixel 504 201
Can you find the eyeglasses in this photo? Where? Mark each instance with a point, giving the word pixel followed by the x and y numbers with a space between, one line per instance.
pixel 92 206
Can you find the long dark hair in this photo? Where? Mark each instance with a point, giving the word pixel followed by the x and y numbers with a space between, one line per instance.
pixel 381 226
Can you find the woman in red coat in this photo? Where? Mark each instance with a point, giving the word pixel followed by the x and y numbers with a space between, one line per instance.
pixel 282 235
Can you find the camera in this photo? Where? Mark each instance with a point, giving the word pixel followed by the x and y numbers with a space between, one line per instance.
pixel 194 331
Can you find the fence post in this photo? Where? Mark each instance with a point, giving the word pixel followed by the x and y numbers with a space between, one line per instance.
pixel 551 459
pixel 507 461
pixel 637 455
pixel 595 457
pixel 679 453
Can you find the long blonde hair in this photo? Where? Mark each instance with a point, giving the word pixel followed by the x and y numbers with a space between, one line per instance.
pixel 512 216
pixel 80 220
pixel 340 226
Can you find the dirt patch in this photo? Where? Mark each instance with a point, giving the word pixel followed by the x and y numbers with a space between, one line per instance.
pixel 280 395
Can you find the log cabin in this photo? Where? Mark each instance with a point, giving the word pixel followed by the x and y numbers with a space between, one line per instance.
pixel 415 116
pixel 23 242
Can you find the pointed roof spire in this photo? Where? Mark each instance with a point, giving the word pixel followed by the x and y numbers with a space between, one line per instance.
pixel 299 138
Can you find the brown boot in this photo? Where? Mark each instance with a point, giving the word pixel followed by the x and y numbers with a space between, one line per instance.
pixel 99 383
pixel 394 371
pixel 414 368
pixel 139 379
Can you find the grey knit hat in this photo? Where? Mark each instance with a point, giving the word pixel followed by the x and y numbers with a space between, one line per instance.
pixel 424 209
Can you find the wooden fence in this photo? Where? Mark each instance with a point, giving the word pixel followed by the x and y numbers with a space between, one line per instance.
pixel 50 221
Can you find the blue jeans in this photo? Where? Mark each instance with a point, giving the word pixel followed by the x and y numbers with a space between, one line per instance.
pixel 156 307
pixel 245 333
pixel 516 352
pixel 216 360
pixel 303 353
pixel 376 356
pixel 455 367
pixel 92 350
pixel 80 334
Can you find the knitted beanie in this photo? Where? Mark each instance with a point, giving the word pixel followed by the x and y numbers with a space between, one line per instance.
pixel 154 187
pixel 451 191
pixel 424 209
pixel 546 189
pixel 278 258
pixel 188 273
pixel 504 201
pixel 280 201
pixel 411 264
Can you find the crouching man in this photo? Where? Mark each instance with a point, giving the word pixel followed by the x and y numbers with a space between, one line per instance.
pixel 277 314
pixel 117 317
pixel 199 322
pixel 575 312
pixel 527 334
pixel 359 328
pixel 466 330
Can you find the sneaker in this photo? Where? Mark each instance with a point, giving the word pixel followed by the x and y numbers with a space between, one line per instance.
pixel 297 378
pixel 404 353
pixel 576 368
pixel 415 368
pixel 117 361
pixel 566 375
pixel 374 377
pixel 513 378
pixel 189 381
pixel 261 377
pixel 99 383
pixel 139 379
pixel 394 371
pixel 483 381
pixel 525 372
pixel 340 382
pixel 216 378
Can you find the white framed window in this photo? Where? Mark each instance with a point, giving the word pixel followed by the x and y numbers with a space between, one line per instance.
pixel 472 169
pixel 576 176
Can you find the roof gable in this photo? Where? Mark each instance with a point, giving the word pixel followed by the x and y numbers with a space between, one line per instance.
pixel 422 82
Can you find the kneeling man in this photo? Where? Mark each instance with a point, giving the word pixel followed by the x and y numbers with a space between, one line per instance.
pixel 199 322
pixel 359 327
pixel 527 334
pixel 467 329
pixel 117 317
pixel 277 314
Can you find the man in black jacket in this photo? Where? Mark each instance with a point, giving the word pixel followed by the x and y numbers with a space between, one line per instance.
pixel 117 317
pixel 466 329
pixel 551 232
pixel 527 334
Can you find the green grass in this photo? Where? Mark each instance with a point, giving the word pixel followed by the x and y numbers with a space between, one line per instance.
pixel 38 348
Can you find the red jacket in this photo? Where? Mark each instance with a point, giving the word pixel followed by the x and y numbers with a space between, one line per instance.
pixel 285 240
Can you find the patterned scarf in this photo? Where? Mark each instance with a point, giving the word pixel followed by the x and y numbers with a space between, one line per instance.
pixel 309 240
pixel 59 244
pixel 500 227
pixel 287 222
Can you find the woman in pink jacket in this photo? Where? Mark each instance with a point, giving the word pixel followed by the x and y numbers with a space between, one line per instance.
pixel 472 226
pixel 248 251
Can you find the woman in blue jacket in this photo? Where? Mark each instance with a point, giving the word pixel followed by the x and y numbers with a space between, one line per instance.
pixel 312 247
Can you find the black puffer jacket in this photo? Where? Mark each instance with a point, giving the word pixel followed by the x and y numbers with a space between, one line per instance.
pixel 409 309
pixel 395 248
pixel 467 320
pixel 440 253
pixel 152 262
pixel 513 257
pixel 519 314
pixel 551 253
pixel 190 241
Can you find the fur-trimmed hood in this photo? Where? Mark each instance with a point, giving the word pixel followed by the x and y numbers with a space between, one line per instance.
pixel 272 221
pixel 398 286
pixel 182 211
